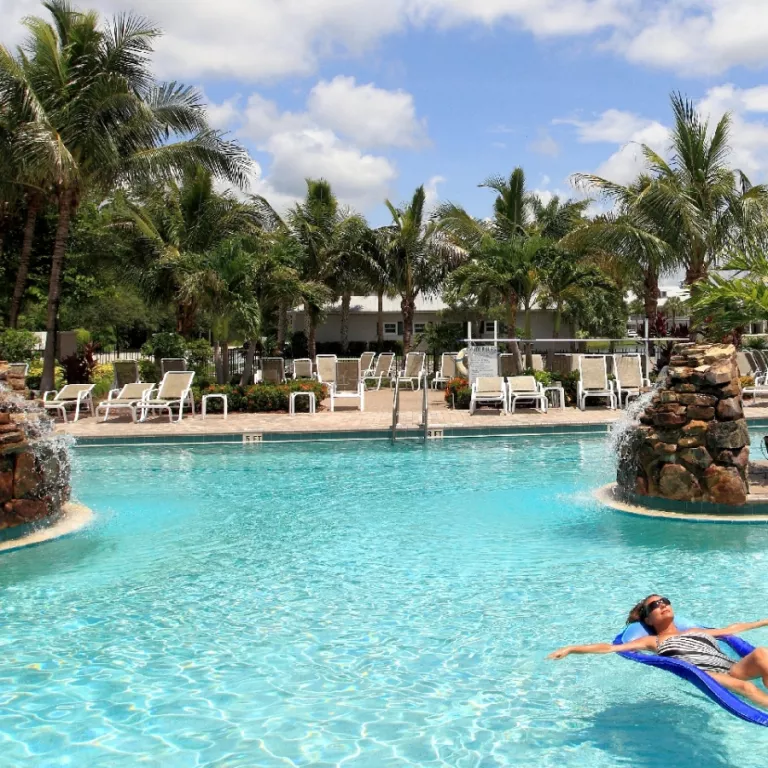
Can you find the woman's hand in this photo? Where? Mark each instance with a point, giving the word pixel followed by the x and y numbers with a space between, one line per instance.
pixel 560 653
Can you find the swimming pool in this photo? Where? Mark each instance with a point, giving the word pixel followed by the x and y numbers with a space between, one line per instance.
pixel 361 604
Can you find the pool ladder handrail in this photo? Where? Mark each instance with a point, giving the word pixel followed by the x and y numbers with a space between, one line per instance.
pixel 425 409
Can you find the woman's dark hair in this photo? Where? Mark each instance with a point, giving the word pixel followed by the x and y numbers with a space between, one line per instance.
pixel 638 612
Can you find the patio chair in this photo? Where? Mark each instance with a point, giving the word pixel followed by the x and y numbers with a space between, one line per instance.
pixel 272 370
pixel 593 381
pixel 630 382
pixel 347 382
pixel 746 368
pixel 175 390
pixel 325 369
pixel 525 389
pixel 74 396
pixel 128 397
pixel 447 369
pixel 382 369
pixel 414 370
pixel 302 368
pixel 172 364
pixel 367 361
pixel 488 389
pixel 125 372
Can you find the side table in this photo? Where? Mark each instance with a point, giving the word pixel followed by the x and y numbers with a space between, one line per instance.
pixel 560 392
pixel 221 397
pixel 310 398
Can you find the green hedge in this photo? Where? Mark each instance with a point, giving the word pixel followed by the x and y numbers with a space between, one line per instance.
pixel 260 398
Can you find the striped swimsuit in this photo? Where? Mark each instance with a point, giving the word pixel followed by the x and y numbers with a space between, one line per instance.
pixel 697 648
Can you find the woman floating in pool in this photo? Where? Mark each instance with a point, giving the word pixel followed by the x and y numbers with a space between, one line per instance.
pixel 696 646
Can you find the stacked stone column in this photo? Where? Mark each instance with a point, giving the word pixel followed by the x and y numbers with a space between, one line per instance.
pixel 692 442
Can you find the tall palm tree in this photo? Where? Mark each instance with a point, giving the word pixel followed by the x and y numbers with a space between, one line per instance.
pixel 419 256
pixel 175 226
pixel 97 120
pixel 329 234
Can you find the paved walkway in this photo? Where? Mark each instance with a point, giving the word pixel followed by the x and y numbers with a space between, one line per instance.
pixel 377 415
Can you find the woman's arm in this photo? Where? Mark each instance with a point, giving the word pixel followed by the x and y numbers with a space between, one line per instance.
pixel 734 629
pixel 642 644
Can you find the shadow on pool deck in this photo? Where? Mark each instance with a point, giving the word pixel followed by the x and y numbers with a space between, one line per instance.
pixel 655 734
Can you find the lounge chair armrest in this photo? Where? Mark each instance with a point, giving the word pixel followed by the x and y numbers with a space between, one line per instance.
pixel 84 395
pixel 49 392
pixel 113 393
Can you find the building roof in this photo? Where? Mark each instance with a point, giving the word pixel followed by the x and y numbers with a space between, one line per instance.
pixel 369 305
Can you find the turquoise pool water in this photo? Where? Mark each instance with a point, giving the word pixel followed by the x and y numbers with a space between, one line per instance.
pixel 361 605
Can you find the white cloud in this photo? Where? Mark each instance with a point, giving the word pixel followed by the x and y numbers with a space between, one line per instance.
pixel 544 144
pixel 367 115
pixel 257 40
pixel 431 193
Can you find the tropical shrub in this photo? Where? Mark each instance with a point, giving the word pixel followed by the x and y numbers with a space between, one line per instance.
pixel 17 346
pixel 199 356
pixel 458 393
pixel 162 345
pixel 260 398
pixel 36 371
pixel 568 381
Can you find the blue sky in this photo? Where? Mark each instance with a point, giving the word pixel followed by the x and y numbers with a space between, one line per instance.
pixel 382 96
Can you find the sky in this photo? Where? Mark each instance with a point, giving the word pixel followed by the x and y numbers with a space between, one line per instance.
pixel 380 96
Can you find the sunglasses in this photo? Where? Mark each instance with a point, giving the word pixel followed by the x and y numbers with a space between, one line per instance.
pixel 651 607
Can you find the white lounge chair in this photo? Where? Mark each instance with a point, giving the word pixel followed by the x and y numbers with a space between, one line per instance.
pixel 488 389
pixel 172 364
pixel 630 382
pixel 130 397
pixel 175 391
pixel 414 370
pixel 19 369
pixel 325 369
pixel 367 361
pixel 74 396
pixel 302 368
pixel 593 381
pixel 347 382
pixel 382 370
pixel 744 365
pixel 272 370
pixel 525 389
pixel 125 372
pixel 447 369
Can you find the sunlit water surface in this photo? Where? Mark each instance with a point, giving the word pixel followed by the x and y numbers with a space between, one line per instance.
pixel 362 605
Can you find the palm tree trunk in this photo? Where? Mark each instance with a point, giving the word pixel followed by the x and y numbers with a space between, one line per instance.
pixel 26 251
pixel 408 308
pixel 514 347
pixel 217 362
pixel 225 361
pixel 311 335
pixel 528 334
pixel 282 323
pixel 651 294
pixel 66 209
pixel 250 354
pixel 380 321
pixel 346 300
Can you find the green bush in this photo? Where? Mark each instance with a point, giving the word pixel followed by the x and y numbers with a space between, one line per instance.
pixel 148 370
pixel 458 393
pixel 569 382
pixel 199 356
pixel 542 377
pixel 165 345
pixel 260 398
pixel 17 346
pixel 36 371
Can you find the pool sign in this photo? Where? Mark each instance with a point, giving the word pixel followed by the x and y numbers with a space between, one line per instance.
pixel 483 361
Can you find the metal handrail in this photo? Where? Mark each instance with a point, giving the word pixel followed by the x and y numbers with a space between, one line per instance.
pixel 396 406
pixel 425 409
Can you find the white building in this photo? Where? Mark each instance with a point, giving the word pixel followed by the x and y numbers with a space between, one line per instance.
pixel 364 314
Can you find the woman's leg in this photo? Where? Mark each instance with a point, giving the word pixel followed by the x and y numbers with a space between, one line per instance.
pixel 752 666
pixel 743 688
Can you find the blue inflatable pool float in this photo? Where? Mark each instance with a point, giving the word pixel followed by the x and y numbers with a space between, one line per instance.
pixel 704 682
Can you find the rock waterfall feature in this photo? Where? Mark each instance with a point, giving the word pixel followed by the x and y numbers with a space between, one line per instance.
pixel 34 462
pixel 691 443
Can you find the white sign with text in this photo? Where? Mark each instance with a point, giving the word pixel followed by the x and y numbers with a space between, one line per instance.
pixel 483 361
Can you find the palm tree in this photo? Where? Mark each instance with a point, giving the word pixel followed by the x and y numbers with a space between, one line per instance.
pixel 418 256
pixel 330 235
pixel 97 120
pixel 675 307
pixel 174 227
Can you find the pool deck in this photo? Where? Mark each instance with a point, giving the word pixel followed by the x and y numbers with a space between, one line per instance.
pixel 347 417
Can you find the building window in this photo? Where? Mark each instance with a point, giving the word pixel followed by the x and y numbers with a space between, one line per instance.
pixel 486 327
pixel 419 327
pixel 390 329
